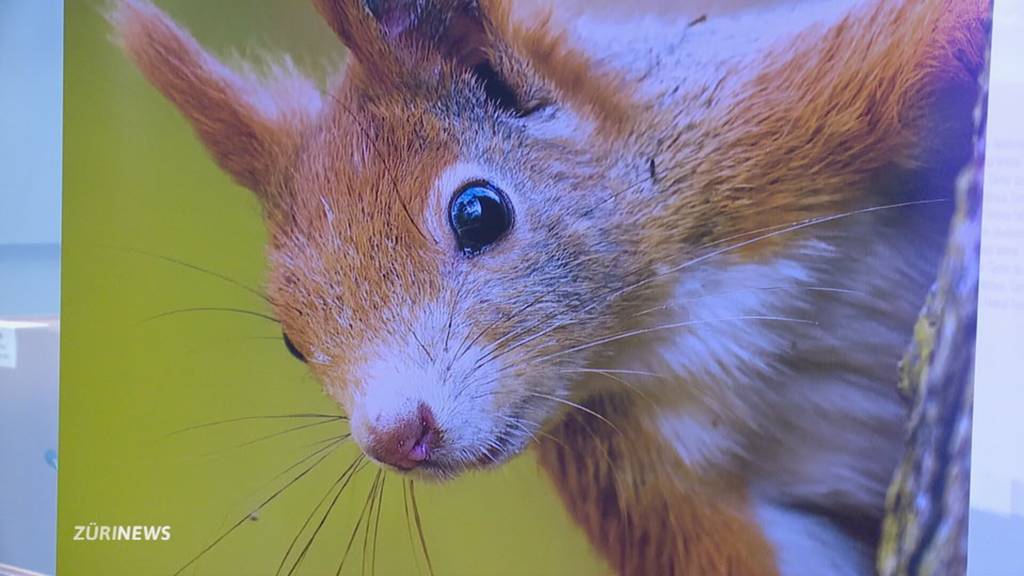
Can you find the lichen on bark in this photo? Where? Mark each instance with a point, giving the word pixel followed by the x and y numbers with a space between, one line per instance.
pixel 925 528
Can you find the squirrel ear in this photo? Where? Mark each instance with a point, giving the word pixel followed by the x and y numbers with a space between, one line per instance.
pixel 886 87
pixel 378 32
pixel 355 25
pixel 251 127
pixel 455 29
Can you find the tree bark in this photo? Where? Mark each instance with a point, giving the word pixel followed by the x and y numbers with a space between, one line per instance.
pixel 925 528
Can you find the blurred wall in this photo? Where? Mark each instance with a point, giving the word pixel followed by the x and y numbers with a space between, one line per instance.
pixel 996 534
pixel 31 51
pixel 30 138
pixel 28 457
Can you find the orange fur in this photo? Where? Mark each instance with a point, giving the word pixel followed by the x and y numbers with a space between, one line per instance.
pixel 399 148
pixel 641 508
pixel 253 128
pixel 619 186
pixel 827 112
pixel 604 95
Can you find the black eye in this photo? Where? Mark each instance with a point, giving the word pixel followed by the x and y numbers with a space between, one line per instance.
pixel 480 215
pixel 291 348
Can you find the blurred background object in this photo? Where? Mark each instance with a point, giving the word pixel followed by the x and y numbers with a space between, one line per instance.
pixel 30 160
pixel 996 535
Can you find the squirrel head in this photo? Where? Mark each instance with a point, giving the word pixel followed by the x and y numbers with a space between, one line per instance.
pixel 434 218
pixel 463 218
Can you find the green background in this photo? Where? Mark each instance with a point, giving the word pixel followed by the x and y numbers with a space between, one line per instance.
pixel 138 184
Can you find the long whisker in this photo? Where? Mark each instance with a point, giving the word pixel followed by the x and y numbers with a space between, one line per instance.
pixel 369 518
pixel 255 418
pixel 604 371
pixel 605 454
pixel 240 311
pixel 419 527
pixel 355 530
pixel 613 376
pixel 323 520
pixel 616 292
pixel 266 502
pixel 675 305
pixel 483 360
pixel 550 436
pixel 324 445
pixel 334 443
pixel 206 271
pixel 376 524
pixel 408 526
pixel 519 424
pixel 265 438
pixel 775 227
pixel 497 343
pixel 572 404
pixel 664 327
pixel 531 360
pixel 807 223
pixel 465 347
pixel 283 432
pixel 344 436
pixel 343 480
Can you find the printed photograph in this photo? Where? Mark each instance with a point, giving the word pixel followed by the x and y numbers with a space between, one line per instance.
pixel 483 287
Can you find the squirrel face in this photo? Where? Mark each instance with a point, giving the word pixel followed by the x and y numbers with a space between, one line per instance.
pixel 437 246
pixel 460 226
pixel 440 225
pixel 439 276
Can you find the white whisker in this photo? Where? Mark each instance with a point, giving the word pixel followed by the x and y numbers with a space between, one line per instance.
pixel 610 371
pixel 611 375
pixel 676 306
pixel 578 407
pixel 772 232
pixel 653 329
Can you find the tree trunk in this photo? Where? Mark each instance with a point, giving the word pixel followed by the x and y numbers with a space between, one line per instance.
pixel 925 529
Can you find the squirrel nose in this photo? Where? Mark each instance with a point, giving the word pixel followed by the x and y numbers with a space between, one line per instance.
pixel 407 443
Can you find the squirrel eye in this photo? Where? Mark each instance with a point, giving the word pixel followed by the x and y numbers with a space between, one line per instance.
pixel 480 215
pixel 292 349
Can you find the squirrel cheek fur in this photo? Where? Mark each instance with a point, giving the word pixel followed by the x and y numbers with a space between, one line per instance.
pixel 709 398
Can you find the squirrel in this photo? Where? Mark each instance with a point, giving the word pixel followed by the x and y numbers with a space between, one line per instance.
pixel 678 258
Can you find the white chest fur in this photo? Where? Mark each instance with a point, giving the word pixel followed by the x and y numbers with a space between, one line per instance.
pixel 782 374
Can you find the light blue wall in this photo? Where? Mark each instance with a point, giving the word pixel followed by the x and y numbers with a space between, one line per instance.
pixel 29 279
pixel 31 51
pixel 31 54
pixel 996 535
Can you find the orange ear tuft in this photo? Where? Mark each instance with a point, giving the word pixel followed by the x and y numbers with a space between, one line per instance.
pixel 252 128
pixel 887 87
pixel 387 35
pixel 862 94
pixel 355 25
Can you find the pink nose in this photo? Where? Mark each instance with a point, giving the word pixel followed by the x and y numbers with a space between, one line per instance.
pixel 407 443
